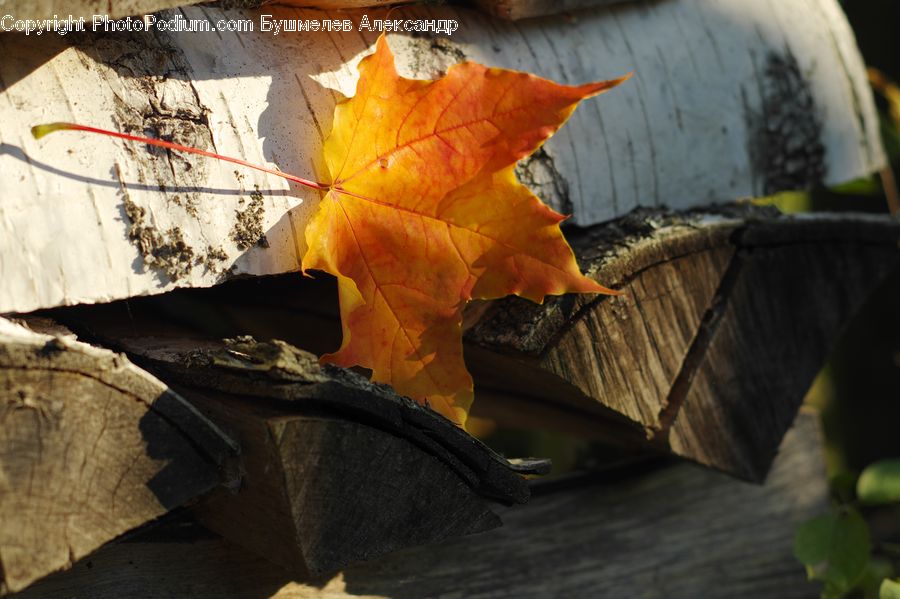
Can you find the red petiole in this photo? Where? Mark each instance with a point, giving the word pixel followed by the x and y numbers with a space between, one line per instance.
pixel 39 131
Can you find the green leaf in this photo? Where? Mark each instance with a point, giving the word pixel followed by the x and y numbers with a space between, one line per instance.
pixel 880 483
pixel 835 549
pixel 890 589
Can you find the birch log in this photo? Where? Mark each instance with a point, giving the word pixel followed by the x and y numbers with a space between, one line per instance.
pixel 730 98
pixel 90 447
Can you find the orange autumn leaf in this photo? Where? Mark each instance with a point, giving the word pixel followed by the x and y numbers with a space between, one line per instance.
pixel 423 213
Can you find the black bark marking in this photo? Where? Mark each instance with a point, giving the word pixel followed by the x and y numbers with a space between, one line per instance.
pixel 785 137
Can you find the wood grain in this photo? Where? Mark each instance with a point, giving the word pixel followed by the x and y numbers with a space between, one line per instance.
pixel 676 532
pixel 90 447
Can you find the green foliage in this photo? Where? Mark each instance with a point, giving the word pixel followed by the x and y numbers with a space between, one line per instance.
pixel 835 549
pixel 890 589
pixel 879 483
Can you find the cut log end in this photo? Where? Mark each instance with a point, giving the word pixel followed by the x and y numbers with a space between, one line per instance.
pixel 90 447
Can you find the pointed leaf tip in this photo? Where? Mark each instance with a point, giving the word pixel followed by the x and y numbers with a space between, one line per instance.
pixel 597 88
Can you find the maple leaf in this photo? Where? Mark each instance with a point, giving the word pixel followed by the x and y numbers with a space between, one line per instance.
pixel 423 213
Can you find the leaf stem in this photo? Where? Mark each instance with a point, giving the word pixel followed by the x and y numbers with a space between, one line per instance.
pixel 39 131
